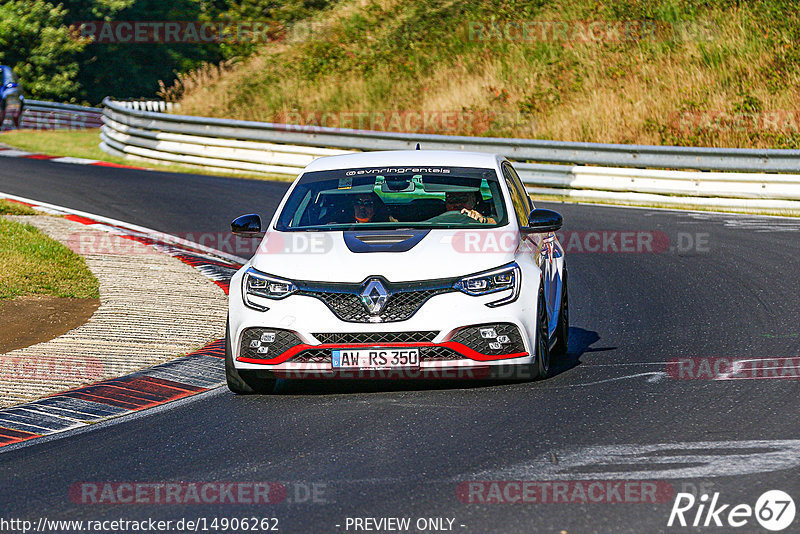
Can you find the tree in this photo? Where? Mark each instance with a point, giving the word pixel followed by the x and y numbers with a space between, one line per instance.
pixel 132 70
pixel 41 49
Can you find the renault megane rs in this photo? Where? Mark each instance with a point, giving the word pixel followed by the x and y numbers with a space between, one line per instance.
pixel 399 264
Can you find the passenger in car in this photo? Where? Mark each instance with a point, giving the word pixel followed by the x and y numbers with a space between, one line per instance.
pixel 466 202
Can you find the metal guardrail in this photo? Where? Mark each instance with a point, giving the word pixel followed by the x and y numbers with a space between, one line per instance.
pixel 39 115
pixel 259 147
pixel 149 105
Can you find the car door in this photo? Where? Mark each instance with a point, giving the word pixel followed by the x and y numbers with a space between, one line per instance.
pixel 521 205
pixel 547 247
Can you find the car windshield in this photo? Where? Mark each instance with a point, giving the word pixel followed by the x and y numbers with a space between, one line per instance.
pixel 395 197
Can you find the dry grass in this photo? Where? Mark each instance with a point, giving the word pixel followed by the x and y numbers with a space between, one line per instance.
pixel 713 91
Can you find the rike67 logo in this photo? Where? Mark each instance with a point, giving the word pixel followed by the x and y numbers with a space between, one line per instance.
pixel 774 510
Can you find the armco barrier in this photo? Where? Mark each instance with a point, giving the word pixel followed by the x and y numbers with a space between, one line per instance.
pixel 617 172
pixel 39 115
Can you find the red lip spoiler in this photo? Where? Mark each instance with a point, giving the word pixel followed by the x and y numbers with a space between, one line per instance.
pixel 458 347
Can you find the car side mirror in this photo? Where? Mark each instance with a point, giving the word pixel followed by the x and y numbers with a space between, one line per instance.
pixel 247 226
pixel 542 221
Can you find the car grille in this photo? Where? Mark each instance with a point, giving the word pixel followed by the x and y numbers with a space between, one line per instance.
pixel 472 338
pixel 376 337
pixel 431 354
pixel 312 356
pixel 253 338
pixel 426 354
pixel 404 299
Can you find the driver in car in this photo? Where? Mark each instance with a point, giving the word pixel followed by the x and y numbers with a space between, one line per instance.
pixel 368 207
pixel 364 208
pixel 465 202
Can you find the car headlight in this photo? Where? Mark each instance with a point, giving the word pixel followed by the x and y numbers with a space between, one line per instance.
pixel 500 279
pixel 258 284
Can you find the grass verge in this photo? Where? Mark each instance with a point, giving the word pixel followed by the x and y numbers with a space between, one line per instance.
pixel 33 264
pixel 15 208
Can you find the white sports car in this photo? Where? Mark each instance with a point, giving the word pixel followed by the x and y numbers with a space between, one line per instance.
pixel 399 264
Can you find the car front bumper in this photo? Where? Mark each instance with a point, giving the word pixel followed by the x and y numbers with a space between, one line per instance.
pixel 308 331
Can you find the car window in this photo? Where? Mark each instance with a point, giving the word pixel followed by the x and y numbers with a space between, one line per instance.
pixel 520 186
pixel 517 199
pixel 394 197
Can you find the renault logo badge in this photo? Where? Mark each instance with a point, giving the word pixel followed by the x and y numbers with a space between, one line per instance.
pixel 374 297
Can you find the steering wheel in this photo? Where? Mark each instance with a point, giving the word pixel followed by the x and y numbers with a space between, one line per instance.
pixel 452 217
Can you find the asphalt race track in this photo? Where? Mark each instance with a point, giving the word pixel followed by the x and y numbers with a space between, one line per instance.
pixel 724 286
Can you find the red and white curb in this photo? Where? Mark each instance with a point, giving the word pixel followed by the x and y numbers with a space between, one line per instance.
pixel 83 406
pixel 183 377
pixel 15 153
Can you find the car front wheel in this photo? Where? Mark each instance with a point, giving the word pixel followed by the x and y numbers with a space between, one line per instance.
pixel 562 329
pixel 541 365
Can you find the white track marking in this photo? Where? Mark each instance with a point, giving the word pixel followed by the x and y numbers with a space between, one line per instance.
pixel 11 153
pixel 76 161
pixel 699 459
pixel 655 376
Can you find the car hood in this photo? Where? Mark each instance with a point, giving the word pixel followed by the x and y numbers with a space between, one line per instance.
pixel 398 256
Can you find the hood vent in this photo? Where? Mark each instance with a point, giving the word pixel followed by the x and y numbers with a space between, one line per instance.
pixel 385 241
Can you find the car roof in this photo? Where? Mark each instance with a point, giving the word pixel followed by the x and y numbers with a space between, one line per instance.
pixel 404 158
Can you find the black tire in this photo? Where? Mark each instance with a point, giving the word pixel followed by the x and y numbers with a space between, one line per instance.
pixel 562 329
pixel 541 365
pixel 243 382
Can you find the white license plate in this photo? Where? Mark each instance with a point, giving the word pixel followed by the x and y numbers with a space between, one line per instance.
pixel 377 358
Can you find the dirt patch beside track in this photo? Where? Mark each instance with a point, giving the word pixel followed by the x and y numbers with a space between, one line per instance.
pixel 32 319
